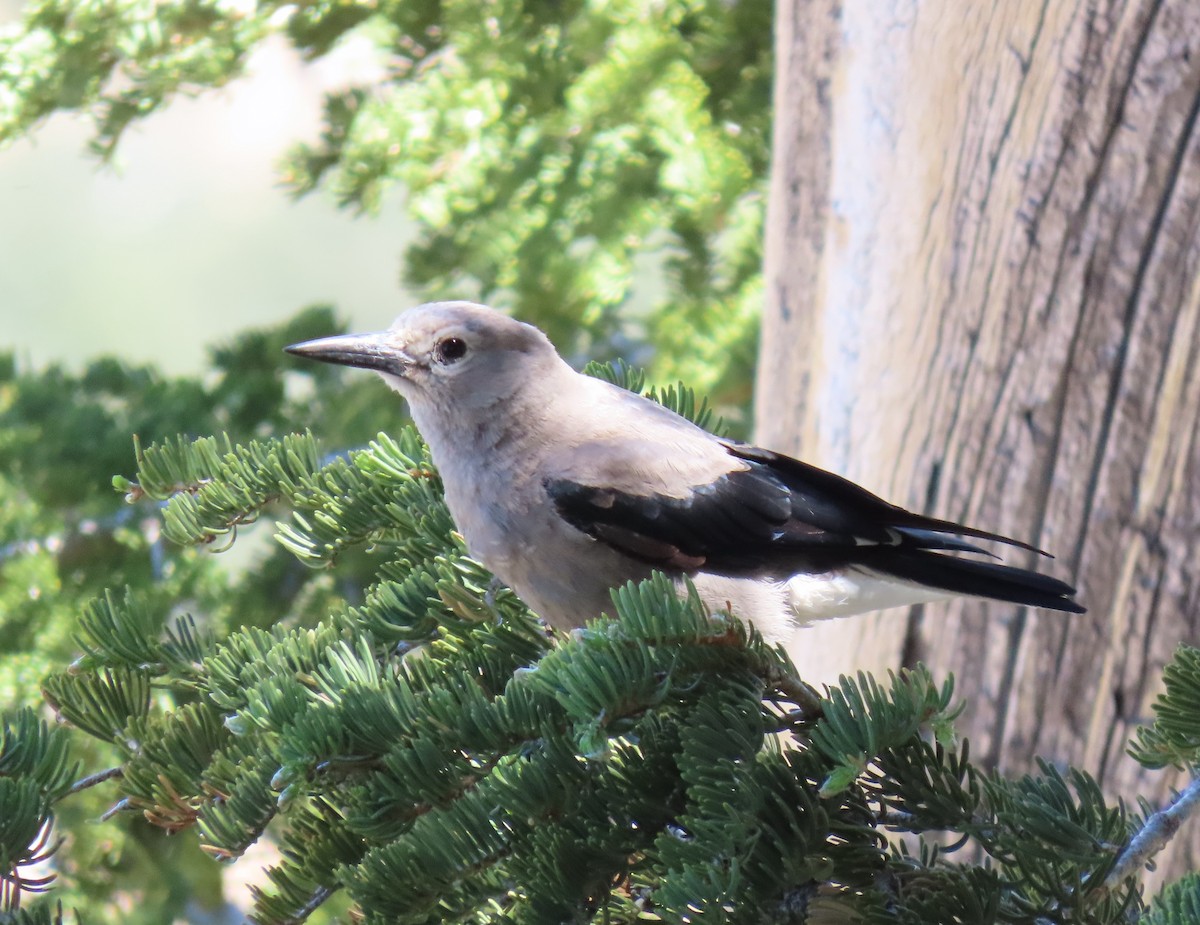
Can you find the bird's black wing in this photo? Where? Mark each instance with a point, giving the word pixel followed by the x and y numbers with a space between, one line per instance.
pixel 779 516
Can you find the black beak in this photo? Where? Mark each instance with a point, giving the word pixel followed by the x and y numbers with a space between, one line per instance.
pixel 366 351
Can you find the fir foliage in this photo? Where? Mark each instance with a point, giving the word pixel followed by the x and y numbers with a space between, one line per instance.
pixel 69 546
pixel 35 771
pixel 1179 904
pixel 432 754
pixel 41 914
pixel 1174 737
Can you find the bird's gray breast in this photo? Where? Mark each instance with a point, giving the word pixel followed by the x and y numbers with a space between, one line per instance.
pixel 560 572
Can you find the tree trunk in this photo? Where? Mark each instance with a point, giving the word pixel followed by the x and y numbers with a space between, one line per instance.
pixel 983 302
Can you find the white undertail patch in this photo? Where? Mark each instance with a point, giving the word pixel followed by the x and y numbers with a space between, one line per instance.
pixel 849 592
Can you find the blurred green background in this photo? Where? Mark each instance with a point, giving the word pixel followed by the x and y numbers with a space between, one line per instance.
pixel 189 230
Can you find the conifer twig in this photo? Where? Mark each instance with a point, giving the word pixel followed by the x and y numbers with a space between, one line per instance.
pixel 321 894
pixel 98 778
pixel 798 691
pixel 1159 829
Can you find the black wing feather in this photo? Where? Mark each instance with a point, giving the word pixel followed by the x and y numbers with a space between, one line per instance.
pixel 835 500
pixel 780 516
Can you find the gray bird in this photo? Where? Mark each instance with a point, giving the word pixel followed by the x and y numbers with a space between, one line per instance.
pixel 565 486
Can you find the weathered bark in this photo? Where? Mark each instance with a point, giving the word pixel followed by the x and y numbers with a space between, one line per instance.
pixel 983 275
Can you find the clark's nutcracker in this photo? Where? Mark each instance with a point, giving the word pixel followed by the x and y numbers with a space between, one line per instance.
pixel 565 487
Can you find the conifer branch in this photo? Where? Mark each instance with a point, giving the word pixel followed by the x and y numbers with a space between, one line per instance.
pixel 799 692
pixel 1158 829
pixel 98 778
pixel 320 894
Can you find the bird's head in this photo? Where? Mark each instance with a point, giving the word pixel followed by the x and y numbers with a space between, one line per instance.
pixel 453 356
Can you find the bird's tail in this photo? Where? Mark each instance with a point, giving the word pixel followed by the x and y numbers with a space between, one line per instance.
pixel 979 579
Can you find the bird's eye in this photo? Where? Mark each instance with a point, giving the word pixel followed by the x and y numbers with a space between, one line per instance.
pixel 451 350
